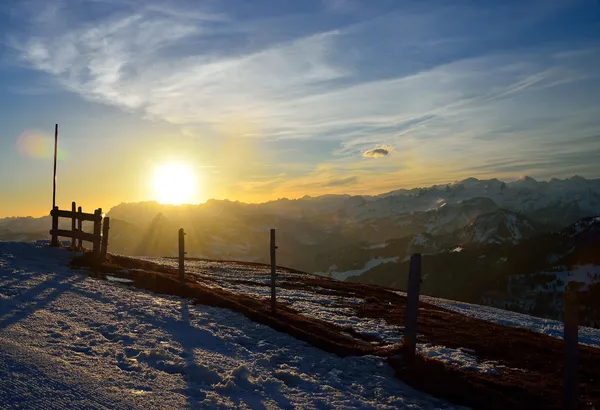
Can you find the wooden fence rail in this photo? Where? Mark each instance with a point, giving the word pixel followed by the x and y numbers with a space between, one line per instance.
pixel 99 237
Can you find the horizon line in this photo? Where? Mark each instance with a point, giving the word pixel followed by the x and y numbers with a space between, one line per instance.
pixel 456 182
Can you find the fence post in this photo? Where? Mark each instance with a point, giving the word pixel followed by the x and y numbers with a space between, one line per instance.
pixel 79 228
pixel 54 175
pixel 273 273
pixel 412 307
pixel 54 241
pixel 104 247
pixel 571 338
pixel 97 230
pixel 73 227
pixel 181 255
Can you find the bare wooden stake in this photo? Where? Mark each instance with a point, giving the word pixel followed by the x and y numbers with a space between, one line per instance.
pixel 412 307
pixel 571 338
pixel 73 221
pixel 181 255
pixel 97 231
pixel 79 227
pixel 273 273
pixel 105 229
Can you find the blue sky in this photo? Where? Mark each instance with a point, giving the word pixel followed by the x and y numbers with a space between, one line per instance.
pixel 284 98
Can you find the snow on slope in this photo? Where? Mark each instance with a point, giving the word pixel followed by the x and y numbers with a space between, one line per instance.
pixel 461 358
pixel 501 226
pixel 67 340
pixel 329 308
pixel 587 335
pixel 349 273
pixel 248 280
pixel 558 280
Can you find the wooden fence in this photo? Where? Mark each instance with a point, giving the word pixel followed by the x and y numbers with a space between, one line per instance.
pixel 571 320
pixel 273 249
pixel 99 237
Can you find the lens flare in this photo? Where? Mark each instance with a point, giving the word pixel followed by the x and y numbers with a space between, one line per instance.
pixel 36 144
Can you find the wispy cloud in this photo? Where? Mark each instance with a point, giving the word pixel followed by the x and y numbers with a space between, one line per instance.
pixel 125 60
pixel 438 93
pixel 341 182
pixel 341 6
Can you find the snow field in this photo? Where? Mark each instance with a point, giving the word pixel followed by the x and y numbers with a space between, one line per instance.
pixel 328 308
pixel 460 358
pixel 355 272
pixel 587 335
pixel 99 344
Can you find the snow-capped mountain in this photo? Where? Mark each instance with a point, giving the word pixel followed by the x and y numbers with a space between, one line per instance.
pixel 312 229
pixel 501 226
pixel 524 195
pixel 528 275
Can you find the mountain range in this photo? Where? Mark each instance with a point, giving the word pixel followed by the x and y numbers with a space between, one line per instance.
pixel 370 237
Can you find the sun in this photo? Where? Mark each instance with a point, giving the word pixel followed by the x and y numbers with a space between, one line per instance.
pixel 174 183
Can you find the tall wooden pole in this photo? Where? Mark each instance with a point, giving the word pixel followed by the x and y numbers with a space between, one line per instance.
pixel 55 154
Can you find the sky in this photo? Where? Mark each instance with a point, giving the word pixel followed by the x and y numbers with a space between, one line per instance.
pixel 266 99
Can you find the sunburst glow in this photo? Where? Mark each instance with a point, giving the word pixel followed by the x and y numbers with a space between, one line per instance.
pixel 174 183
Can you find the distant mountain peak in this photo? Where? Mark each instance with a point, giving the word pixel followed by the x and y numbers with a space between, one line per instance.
pixel 527 179
pixel 468 181
pixel 499 226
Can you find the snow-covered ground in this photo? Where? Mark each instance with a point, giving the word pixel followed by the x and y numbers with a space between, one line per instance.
pixel 558 279
pixel 355 272
pixel 250 280
pixel 69 341
pixel 461 358
pixel 587 335
pixel 330 308
pixel 333 309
